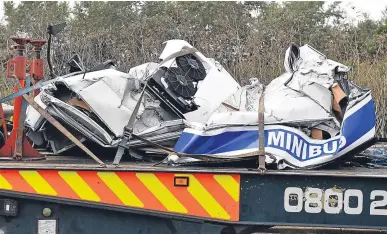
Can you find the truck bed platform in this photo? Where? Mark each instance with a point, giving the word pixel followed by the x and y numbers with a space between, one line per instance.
pixel 227 197
pixel 59 162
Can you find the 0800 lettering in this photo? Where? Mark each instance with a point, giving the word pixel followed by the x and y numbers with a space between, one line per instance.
pixel 333 201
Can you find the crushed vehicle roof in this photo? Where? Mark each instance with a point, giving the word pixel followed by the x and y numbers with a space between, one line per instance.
pixel 312 112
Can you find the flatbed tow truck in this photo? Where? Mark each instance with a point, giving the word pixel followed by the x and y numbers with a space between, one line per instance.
pixel 73 194
pixel 64 194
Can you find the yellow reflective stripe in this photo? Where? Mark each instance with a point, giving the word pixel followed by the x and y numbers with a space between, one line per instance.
pixel 161 192
pixel 205 199
pixel 79 186
pixel 37 182
pixel 229 184
pixel 120 189
pixel 4 184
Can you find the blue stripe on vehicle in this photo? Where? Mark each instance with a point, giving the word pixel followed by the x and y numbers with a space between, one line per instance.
pixel 354 127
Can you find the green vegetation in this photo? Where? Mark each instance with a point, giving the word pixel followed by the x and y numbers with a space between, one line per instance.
pixel 133 32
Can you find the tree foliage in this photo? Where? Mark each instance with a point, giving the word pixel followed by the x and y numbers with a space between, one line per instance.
pixel 249 38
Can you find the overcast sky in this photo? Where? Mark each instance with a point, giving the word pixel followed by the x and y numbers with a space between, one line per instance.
pixel 372 7
pixel 354 8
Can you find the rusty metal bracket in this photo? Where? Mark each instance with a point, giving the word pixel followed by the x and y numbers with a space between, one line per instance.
pixel 18 153
pixel 261 134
